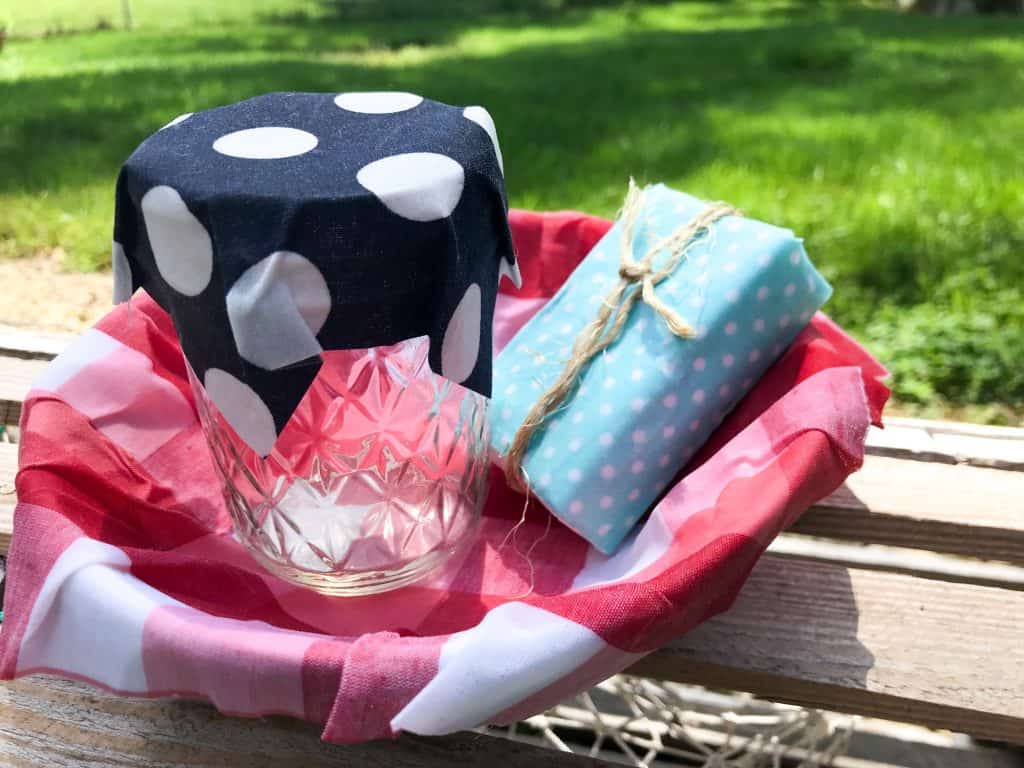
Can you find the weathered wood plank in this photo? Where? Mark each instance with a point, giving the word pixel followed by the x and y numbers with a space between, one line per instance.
pixel 963 510
pixel 8 498
pixel 881 644
pixel 914 562
pixel 950 443
pixel 25 342
pixel 16 376
pixel 45 721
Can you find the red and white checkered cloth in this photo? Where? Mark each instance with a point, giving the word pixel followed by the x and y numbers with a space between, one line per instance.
pixel 123 573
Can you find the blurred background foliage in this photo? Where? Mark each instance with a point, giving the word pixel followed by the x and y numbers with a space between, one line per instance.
pixel 890 141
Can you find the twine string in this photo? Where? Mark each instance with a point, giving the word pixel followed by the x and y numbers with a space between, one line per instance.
pixel 637 281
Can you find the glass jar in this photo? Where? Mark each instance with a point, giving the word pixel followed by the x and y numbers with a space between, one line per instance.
pixel 377 479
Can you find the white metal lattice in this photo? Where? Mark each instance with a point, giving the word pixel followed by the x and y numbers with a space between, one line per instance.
pixel 648 723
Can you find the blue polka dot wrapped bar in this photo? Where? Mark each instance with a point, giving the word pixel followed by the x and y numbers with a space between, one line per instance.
pixel 642 407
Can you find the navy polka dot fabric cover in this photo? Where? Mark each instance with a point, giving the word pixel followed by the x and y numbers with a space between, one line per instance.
pixel 293 223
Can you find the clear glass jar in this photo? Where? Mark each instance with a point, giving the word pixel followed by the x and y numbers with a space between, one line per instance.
pixel 377 479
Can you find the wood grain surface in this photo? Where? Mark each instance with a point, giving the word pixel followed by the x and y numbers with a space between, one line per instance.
pixel 958 509
pixel 46 721
pixel 940 654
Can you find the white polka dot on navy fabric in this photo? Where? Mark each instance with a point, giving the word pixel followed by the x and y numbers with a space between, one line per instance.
pixel 605 502
pixel 419 186
pixel 544 480
pixel 789 290
pixel 377 102
pixel 669 400
pixel 603 530
pixel 634 494
pixel 730 328
pixel 638 404
pixel 759 324
pixel 763 293
pixel 605 409
pixel 668 432
pixel 511 271
pixel 699 364
pixel 728 360
pixel 695 425
pixel 276 309
pixel 794 256
pixel 575 444
pixel 460 347
pixel 177 120
pixel 243 409
pixel 636 467
pixel 575 507
pixel 754 356
pixel 549 452
pixel 270 142
pixel 724 390
pixel 181 246
pixel 607 472
pixel 122 273
pixel 698 396
pixel 606 439
pixel 483 118
pixel 574 475
pixel 639 436
pixel 665 460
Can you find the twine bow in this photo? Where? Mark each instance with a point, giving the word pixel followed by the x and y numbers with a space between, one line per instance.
pixel 607 325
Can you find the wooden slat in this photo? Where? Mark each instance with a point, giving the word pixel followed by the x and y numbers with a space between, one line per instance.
pixel 915 562
pixel 23 356
pixel 16 376
pixel 963 510
pixel 949 442
pixel 8 468
pixel 45 721
pixel 24 342
pixel 881 644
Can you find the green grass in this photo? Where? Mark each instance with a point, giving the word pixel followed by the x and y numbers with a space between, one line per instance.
pixel 24 18
pixel 891 143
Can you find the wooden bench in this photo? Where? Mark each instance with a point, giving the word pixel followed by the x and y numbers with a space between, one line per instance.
pixel 901 596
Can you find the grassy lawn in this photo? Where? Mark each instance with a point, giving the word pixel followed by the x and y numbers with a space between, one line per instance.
pixel 890 143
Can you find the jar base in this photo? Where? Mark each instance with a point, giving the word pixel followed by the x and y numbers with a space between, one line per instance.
pixel 360 583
